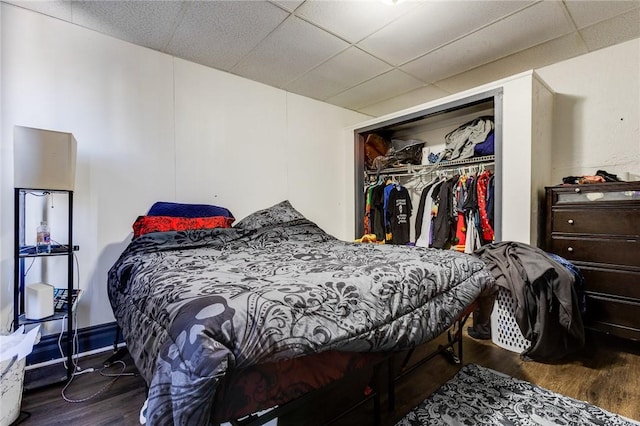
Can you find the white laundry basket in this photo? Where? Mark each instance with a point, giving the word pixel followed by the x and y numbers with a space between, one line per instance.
pixel 13 351
pixel 11 380
pixel 504 329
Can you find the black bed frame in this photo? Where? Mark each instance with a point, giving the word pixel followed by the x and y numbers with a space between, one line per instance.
pixel 454 337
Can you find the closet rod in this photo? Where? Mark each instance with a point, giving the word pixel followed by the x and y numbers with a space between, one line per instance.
pixel 416 174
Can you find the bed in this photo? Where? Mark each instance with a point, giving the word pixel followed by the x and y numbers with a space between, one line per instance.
pixel 198 306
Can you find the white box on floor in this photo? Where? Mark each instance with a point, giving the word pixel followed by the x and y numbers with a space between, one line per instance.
pixel 38 301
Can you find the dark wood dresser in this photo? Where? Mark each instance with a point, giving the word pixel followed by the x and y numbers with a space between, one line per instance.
pixel 597 228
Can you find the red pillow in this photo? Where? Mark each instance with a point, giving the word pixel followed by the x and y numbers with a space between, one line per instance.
pixel 145 224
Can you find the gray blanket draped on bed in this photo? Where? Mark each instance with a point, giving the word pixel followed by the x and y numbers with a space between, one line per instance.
pixel 194 304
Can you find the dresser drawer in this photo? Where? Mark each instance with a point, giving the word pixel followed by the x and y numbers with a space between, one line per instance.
pixel 607 312
pixel 605 251
pixel 598 194
pixel 609 281
pixel 597 221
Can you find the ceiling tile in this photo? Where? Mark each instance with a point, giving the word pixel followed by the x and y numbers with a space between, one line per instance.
pixel 346 69
pixel 616 30
pixel 220 33
pixel 352 20
pixel 306 47
pixel 289 5
pixel 60 9
pixel 585 13
pixel 493 42
pixel 146 23
pixel 535 57
pixel 407 100
pixel 286 53
pixel 376 90
pixel 432 25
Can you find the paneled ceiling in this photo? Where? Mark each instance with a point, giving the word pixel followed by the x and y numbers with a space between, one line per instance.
pixel 357 54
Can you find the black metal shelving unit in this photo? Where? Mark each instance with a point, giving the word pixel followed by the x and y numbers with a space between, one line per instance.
pixel 19 318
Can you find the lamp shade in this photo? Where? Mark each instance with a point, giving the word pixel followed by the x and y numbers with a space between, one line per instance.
pixel 43 159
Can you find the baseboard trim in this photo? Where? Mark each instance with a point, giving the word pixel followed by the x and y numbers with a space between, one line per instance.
pixel 89 339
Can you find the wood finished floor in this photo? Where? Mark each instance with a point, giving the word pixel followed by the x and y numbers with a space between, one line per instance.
pixel 606 374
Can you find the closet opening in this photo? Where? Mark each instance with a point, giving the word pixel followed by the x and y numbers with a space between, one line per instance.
pixel 414 151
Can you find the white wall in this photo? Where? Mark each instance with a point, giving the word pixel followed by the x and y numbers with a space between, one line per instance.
pixel 255 145
pixel 597 112
pixel 151 127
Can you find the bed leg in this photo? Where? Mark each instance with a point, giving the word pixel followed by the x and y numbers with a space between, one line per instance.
pixel 454 335
pixel 460 345
pixel 376 393
pixel 118 353
pixel 391 385
pixel 376 409
pixel 115 340
pixel 406 359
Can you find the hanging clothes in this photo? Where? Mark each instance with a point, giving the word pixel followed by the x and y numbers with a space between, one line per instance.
pixel 377 211
pixel 399 214
pixel 483 184
pixel 460 196
pixel 472 242
pixel 425 219
pixel 387 190
pixel 491 201
pixel 424 194
pixel 444 221
pixel 449 213
pixel 367 210
pixel 453 213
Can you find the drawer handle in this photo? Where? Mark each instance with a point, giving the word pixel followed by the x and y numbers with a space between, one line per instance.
pixel 577 189
pixel 570 221
pixel 570 249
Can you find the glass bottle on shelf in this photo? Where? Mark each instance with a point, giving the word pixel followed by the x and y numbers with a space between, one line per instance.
pixel 43 239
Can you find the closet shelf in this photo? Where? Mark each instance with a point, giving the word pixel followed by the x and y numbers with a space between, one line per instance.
pixel 422 168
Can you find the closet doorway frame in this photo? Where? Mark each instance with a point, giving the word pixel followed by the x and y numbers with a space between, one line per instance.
pixel 445 111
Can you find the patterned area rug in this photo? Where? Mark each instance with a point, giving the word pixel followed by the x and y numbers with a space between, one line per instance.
pixel 480 396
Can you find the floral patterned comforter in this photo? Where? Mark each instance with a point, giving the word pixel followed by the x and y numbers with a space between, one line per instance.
pixel 195 304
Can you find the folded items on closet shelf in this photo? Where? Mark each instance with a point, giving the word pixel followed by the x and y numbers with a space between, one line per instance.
pixel 460 143
pixel 485 148
pixel 406 152
pixel 475 138
pixel 375 146
pixel 401 153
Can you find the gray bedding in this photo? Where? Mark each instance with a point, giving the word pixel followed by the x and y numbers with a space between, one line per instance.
pixel 195 304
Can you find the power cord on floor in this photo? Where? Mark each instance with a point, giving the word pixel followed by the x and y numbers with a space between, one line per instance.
pixel 77 371
pixel 102 372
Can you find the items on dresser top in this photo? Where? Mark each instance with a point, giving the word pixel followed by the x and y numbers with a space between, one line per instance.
pixel 601 176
